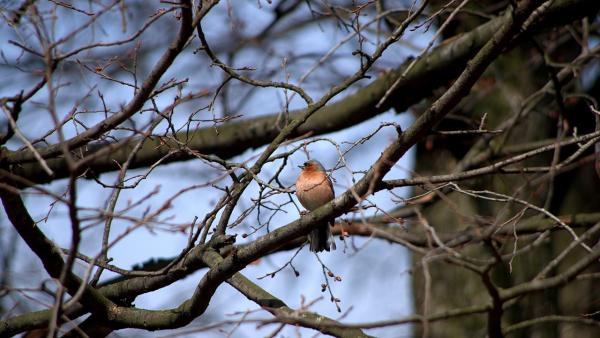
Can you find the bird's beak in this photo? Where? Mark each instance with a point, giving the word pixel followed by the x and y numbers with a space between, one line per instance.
pixel 301 166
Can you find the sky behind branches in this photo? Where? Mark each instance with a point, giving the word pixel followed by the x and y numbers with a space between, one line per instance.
pixel 363 296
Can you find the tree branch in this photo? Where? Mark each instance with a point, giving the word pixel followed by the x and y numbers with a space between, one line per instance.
pixel 432 71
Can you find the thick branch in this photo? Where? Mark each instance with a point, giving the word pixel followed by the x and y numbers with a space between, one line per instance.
pixel 279 309
pixel 136 103
pixel 432 71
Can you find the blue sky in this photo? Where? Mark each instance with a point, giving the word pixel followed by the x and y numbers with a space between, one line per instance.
pixel 375 280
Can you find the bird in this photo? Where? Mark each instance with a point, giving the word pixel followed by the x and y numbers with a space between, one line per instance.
pixel 314 189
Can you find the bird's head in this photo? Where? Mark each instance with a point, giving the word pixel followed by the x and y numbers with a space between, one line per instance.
pixel 312 166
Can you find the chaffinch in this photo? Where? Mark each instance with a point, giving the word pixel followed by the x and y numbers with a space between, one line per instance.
pixel 314 189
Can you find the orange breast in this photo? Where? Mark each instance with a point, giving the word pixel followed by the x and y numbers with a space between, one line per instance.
pixel 313 190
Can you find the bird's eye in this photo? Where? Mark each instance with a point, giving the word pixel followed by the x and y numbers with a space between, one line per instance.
pixel 306 164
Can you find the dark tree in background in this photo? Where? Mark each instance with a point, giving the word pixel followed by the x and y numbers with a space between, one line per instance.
pixel 104 103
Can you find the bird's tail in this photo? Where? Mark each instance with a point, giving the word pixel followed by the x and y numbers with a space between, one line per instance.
pixel 320 238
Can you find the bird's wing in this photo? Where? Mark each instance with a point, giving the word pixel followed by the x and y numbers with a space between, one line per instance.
pixel 331 187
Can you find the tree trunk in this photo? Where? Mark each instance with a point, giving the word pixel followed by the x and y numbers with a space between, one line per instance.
pixel 499 95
